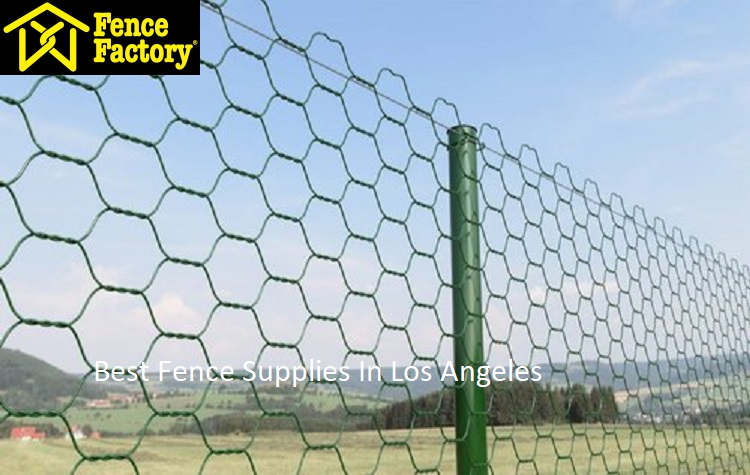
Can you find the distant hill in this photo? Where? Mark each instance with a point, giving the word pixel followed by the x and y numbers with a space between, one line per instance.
pixel 639 374
pixel 28 383
pixel 623 375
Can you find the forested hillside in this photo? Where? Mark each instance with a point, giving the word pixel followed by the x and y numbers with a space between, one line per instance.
pixel 27 382
pixel 509 403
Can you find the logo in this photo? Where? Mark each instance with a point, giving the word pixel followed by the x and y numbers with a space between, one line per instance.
pixel 97 37
pixel 47 39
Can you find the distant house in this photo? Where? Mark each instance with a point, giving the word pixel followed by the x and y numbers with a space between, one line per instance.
pixel 77 432
pixel 99 404
pixel 112 401
pixel 26 433
pixel 122 399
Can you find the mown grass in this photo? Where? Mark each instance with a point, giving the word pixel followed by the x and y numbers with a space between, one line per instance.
pixel 548 449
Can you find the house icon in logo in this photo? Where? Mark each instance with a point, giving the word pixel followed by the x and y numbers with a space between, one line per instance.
pixel 47 40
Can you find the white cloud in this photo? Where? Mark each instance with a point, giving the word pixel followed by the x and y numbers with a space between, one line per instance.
pixel 669 107
pixel 668 89
pixel 56 292
pixel 173 314
pixel 673 71
pixel 538 295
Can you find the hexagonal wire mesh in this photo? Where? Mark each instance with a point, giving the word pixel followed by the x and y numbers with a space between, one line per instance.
pixel 277 210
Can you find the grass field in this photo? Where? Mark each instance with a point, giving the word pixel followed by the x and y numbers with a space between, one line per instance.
pixel 547 449
pixel 132 419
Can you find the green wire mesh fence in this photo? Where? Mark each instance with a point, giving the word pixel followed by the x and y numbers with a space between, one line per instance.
pixel 280 209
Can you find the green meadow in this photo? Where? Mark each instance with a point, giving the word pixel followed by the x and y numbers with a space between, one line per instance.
pixel 546 449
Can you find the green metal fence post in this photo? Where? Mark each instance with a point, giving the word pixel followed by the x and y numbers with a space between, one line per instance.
pixel 471 418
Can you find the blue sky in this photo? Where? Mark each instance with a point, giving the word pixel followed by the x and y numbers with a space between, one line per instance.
pixel 649 99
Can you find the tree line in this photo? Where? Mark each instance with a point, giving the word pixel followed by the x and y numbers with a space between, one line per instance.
pixel 508 403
